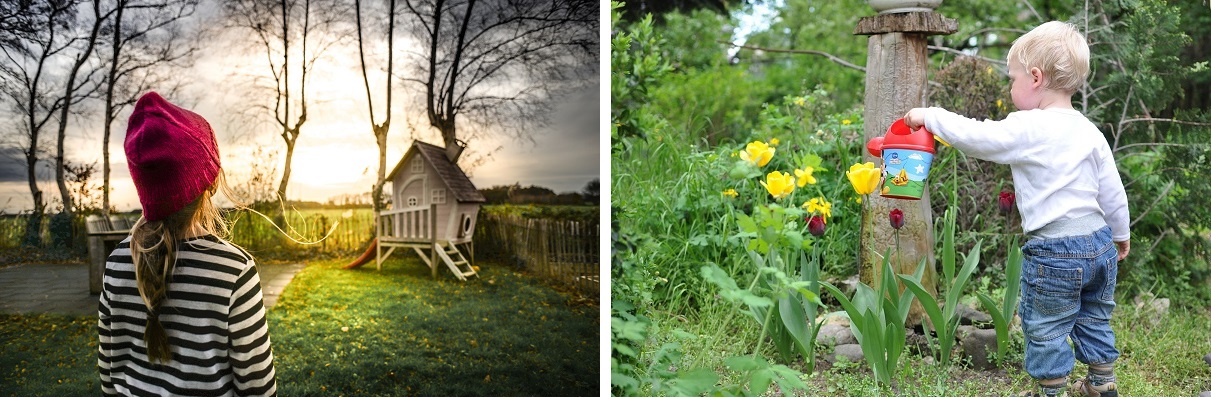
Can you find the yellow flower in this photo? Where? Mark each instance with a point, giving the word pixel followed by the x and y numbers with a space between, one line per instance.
pixel 846 122
pixel 864 177
pixel 779 184
pixel 804 177
pixel 800 101
pixel 758 153
pixel 774 141
pixel 821 206
pixel 1000 104
pixel 730 193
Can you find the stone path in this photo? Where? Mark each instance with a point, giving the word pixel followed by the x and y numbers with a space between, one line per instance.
pixel 29 289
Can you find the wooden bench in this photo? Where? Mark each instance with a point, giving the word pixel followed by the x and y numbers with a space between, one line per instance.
pixel 104 234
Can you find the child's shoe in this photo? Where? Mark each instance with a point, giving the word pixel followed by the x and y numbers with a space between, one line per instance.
pixel 1087 389
pixel 1036 393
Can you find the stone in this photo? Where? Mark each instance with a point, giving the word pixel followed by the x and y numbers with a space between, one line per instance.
pixel 971 316
pixel 851 352
pixel 837 318
pixel 1154 309
pixel 1205 394
pixel 977 344
pixel 835 335
pixel 1207 358
pixel 916 342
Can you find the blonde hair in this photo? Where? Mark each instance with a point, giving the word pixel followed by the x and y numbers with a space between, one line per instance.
pixel 1059 50
pixel 153 249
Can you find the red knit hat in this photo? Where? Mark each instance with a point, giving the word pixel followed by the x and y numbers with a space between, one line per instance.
pixel 172 155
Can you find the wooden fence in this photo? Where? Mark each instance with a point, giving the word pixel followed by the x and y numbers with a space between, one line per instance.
pixel 352 233
pixel 565 251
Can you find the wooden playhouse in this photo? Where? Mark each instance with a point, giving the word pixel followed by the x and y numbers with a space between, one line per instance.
pixel 434 207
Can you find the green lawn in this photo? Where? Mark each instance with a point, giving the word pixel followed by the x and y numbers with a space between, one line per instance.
pixel 364 332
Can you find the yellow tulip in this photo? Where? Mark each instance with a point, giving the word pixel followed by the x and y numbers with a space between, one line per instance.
pixel 804 177
pixel 779 184
pixel 864 177
pixel 758 153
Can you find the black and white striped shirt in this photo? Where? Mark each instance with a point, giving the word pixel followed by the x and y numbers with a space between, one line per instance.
pixel 214 316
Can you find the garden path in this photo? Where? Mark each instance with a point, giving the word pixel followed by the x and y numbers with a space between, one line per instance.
pixel 63 288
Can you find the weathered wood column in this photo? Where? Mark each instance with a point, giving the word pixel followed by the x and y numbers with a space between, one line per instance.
pixel 896 78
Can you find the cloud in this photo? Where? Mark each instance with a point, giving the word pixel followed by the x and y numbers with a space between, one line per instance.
pixel 13 169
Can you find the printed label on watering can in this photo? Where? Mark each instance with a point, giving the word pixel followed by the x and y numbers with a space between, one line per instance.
pixel 904 173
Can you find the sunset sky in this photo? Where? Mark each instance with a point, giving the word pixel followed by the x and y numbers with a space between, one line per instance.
pixel 336 153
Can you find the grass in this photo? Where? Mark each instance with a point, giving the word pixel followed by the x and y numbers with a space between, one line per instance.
pixel 366 333
pixel 1161 359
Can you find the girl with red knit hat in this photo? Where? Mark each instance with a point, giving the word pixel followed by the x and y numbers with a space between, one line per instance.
pixel 181 312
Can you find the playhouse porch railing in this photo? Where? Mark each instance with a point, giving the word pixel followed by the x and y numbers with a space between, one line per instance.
pixel 407 225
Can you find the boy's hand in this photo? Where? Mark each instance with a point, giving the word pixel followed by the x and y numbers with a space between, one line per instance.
pixel 1123 248
pixel 915 118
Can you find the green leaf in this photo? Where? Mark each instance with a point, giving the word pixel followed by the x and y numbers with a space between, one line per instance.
pixel 760 381
pixel 695 382
pixel 745 363
pixel 746 223
pixel 714 275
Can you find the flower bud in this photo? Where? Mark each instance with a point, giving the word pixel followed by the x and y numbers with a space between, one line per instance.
pixel 815 225
pixel 896 217
pixel 1006 200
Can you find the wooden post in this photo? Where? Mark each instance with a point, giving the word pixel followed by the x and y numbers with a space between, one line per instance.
pixel 433 238
pixel 896 79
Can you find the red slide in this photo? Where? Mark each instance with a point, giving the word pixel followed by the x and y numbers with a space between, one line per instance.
pixel 366 256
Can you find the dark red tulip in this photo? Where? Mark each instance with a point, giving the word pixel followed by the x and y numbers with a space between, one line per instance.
pixel 1006 201
pixel 897 218
pixel 815 225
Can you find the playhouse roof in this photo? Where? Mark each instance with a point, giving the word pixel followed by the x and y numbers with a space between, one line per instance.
pixel 454 178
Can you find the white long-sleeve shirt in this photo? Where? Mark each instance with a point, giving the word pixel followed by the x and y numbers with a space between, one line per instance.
pixel 1062 166
pixel 214 316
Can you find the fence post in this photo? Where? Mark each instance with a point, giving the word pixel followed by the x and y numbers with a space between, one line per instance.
pixel 433 237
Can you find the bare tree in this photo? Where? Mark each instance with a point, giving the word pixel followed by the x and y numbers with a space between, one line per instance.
pixel 28 83
pixel 380 129
pixel 286 29
pixel 76 90
pixel 499 63
pixel 146 36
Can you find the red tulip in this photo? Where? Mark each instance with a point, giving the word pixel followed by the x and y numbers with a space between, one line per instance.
pixel 897 218
pixel 815 225
pixel 1006 200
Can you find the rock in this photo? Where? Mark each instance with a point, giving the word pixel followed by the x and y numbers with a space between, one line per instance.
pixel 977 344
pixel 1155 309
pixel 971 316
pixel 917 343
pixel 837 318
pixel 1207 358
pixel 851 352
pixel 835 335
pixel 1205 394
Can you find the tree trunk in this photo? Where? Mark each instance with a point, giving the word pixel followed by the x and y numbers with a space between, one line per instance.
pixel 896 76
pixel 291 137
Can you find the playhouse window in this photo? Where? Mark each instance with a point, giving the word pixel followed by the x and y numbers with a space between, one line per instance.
pixel 418 167
pixel 439 196
pixel 413 201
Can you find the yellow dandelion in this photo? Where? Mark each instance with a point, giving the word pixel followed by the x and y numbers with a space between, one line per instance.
pixel 730 193
pixel 846 122
pixel 774 141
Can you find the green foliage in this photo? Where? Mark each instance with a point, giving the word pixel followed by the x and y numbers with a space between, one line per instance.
pixel 1002 314
pixel 944 318
pixel 636 65
pixel 877 321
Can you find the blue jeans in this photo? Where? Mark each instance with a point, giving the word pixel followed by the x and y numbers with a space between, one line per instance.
pixel 1068 292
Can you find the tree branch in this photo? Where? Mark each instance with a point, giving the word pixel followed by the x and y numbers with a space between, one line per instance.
pixel 830 57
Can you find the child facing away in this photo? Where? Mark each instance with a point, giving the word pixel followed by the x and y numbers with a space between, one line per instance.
pixel 1072 203
pixel 181 312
